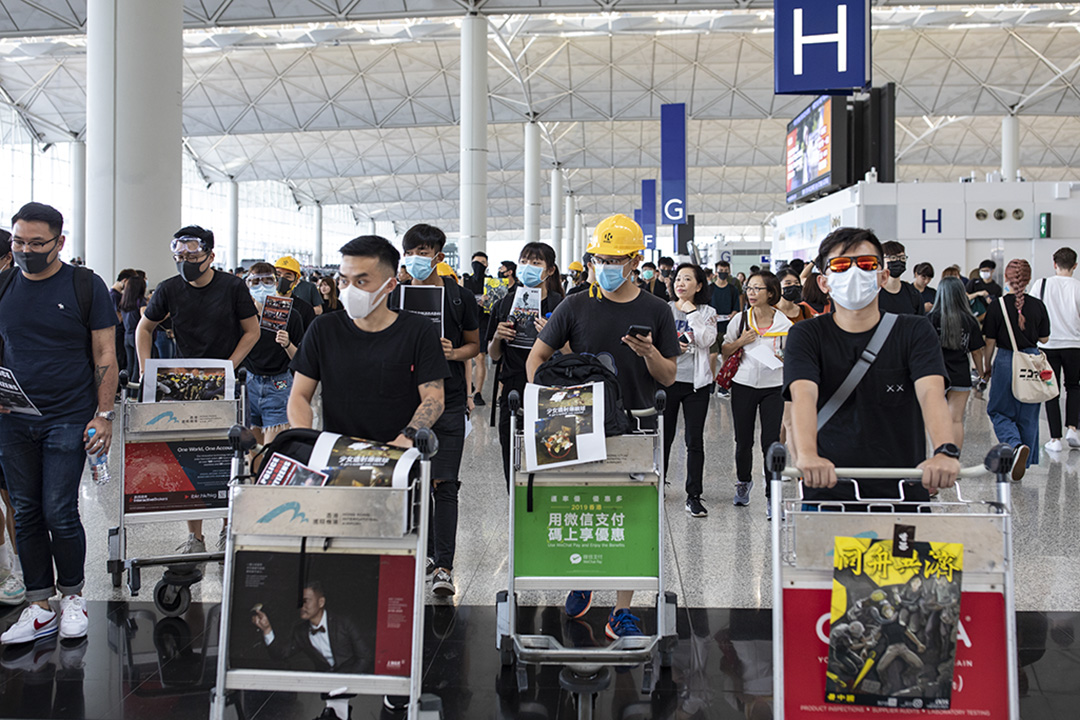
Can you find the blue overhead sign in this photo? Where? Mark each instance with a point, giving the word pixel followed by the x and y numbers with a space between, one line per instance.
pixel 648 212
pixel 673 163
pixel 821 46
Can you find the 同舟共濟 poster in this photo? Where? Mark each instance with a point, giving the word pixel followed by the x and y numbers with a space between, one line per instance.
pixel 188 380
pixel 564 426
pixel 275 314
pixel 892 640
pixel 351 462
pixel 524 314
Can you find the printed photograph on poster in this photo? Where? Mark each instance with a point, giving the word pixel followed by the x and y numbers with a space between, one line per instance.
pixel 362 602
pixel 281 470
pixel 275 314
pixel 351 462
pixel 181 475
pixel 12 396
pixel 524 314
pixel 564 426
pixel 424 300
pixel 188 379
pixel 892 639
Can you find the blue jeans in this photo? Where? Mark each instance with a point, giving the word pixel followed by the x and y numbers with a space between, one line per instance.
pixel 268 399
pixel 1014 422
pixel 43 465
pixel 166 347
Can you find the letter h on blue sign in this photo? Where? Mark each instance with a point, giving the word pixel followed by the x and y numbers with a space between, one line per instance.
pixel 927 221
pixel 821 46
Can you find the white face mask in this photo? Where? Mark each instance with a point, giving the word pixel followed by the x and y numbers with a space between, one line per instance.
pixel 985 275
pixel 854 289
pixel 359 303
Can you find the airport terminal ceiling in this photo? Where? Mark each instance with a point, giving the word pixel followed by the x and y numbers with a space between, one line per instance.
pixel 356 102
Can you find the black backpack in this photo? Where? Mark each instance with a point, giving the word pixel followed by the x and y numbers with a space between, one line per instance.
pixel 581 369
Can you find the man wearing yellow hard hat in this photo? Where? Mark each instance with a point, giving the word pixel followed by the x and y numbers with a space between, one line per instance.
pixel 306 298
pixel 578 276
pixel 635 330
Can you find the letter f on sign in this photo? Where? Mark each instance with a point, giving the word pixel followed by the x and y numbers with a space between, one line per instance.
pixel 839 38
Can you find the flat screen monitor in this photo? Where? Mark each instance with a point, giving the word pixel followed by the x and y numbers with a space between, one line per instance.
pixel 816 149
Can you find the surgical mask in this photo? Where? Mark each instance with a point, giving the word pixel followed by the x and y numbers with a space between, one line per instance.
pixel 985 275
pixel 530 275
pixel 723 275
pixel 646 274
pixel 610 277
pixel 259 293
pixel 896 268
pixel 853 289
pixel 419 267
pixel 792 293
pixel 190 271
pixel 284 285
pixel 359 303
pixel 31 263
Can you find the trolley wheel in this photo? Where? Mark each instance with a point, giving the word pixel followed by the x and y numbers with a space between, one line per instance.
pixel 172 600
pixel 117 579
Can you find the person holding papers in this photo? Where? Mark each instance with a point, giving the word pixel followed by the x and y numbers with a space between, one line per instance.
pixel 760 332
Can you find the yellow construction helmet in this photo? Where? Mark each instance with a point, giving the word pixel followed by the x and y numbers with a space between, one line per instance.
pixel 444 270
pixel 576 266
pixel 617 235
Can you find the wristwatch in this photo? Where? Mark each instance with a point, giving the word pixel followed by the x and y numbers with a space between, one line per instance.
pixel 948 450
pixel 109 416
pixel 409 432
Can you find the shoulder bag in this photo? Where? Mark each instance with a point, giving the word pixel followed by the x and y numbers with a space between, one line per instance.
pixel 727 372
pixel 1032 377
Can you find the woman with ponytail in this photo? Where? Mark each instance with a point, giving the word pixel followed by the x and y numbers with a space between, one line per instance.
pixel 1015 423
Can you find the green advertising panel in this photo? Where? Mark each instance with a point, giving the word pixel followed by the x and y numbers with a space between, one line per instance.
pixel 586 532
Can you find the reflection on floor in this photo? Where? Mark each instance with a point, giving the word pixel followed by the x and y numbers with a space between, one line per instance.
pixel 138 665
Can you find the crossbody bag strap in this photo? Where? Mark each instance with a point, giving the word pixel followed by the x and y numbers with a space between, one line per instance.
pixel 1008 323
pixel 869 355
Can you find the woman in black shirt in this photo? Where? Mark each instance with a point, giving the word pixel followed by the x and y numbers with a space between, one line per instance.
pixel 960 337
pixel 1015 423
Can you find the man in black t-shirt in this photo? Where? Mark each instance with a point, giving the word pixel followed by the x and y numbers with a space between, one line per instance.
pixel 476 369
pixel 983 291
pixel 898 296
pixel 924 273
pixel 306 299
pixel 212 316
pixel 726 300
pixel 598 323
pixel 882 423
pixel 423 246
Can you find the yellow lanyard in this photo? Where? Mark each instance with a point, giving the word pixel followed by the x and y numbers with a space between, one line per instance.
pixel 753 325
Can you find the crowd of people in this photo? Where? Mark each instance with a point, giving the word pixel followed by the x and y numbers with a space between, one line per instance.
pixel 779 346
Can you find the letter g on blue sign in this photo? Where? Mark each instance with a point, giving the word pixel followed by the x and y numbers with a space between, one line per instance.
pixel 821 46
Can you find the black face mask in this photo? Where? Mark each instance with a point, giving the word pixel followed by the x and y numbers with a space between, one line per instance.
pixel 479 268
pixel 190 271
pixel 283 285
pixel 896 268
pixel 31 263
pixel 665 273
pixel 723 275
pixel 792 293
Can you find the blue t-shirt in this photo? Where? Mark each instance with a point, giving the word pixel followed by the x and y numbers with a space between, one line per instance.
pixel 47 346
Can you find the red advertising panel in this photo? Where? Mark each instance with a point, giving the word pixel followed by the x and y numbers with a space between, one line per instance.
pixel 186 475
pixel 393 643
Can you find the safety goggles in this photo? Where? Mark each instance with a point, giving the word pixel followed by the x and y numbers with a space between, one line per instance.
pixel 256 280
pixel 843 263
pixel 188 245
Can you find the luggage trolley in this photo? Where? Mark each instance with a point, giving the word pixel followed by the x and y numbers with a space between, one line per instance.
pixel 633 477
pixel 175 464
pixel 985 680
pixel 374 521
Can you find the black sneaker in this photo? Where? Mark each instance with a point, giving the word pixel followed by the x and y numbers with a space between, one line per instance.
pixel 442 583
pixel 694 507
pixel 478 400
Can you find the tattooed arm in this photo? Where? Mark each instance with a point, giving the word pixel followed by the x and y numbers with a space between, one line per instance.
pixel 106 374
pixel 431 407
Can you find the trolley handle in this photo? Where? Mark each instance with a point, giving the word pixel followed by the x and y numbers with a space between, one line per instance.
pixel 908 475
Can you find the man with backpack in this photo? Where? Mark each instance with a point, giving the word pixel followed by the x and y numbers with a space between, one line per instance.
pixel 899 393
pixel 56 323
pixel 611 321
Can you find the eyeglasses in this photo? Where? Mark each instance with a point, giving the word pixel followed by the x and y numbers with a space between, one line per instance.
pixel 189 256
pixel 619 261
pixel 843 263
pixel 896 258
pixel 755 289
pixel 33 245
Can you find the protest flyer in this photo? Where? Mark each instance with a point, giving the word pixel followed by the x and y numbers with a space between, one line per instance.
pixel 524 314
pixel 12 396
pixel 275 314
pixel 564 426
pixel 425 300
pixel 188 379
pixel 351 462
pixel 281 470
pixel 894 620
pixel 181 475
pixel 366 607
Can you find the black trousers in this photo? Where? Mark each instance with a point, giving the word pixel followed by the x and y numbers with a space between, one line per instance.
pixel 695 407
pixel 1065 361
pixel 746 402
pixel 442 532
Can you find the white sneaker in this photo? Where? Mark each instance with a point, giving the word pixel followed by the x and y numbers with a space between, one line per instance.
pixel 34 623
pixel 12 590
pixel 1073 438
pixel 1054 445
pixel 73 618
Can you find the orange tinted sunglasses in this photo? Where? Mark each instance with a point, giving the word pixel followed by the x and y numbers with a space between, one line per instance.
pixel 843 263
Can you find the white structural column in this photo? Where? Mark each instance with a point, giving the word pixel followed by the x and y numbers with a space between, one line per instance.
pixel 559 241
pixel 533 181
pixel 317 260
pixel 571 228
pixel 75 225
pixel 1010 147
pixel 580 241
pixel 232 195
pixel 134 83
pixel 474 148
